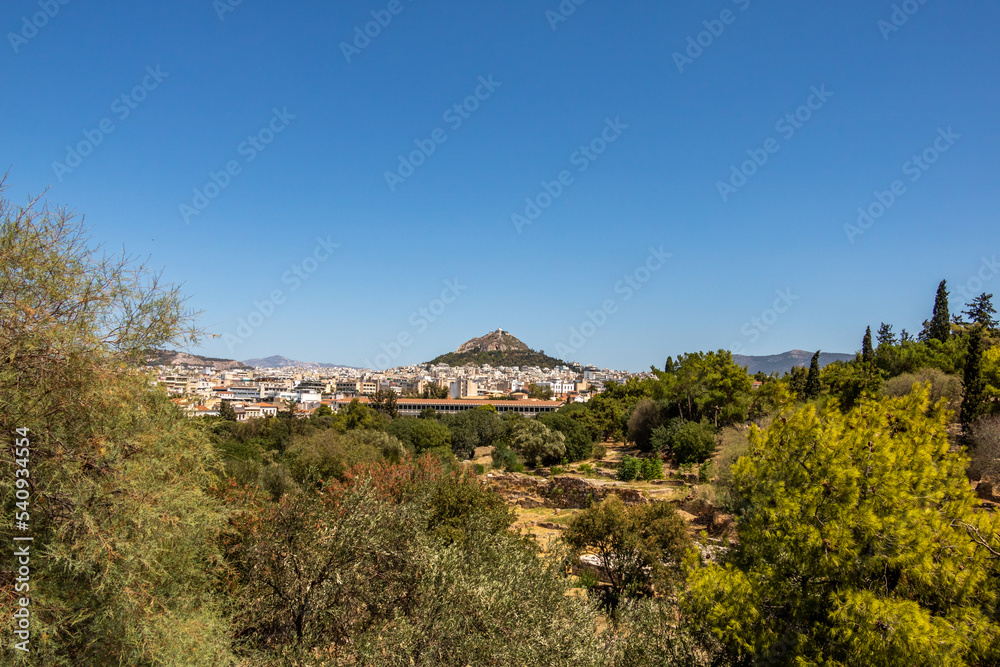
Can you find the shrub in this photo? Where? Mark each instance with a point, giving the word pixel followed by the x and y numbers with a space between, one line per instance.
pixel 629 469
pixel 651 469
pixel 948 387
pixel 557 470
pixel 693 442
pixel 598 452
pixel 479 469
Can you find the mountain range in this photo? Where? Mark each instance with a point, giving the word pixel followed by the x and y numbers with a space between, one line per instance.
pixel 277 361
pixel 784 362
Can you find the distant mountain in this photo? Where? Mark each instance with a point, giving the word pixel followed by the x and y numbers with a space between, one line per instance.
pixel 277 361
pixel 497 348
pixel 172 358
pixel 783 363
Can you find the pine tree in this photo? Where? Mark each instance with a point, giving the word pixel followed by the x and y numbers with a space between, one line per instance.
pixel 885 335
pixel 862 545
pixel 973 401
pixel 867 353
pixel 981 311
pixel 812 380
pixel 939 326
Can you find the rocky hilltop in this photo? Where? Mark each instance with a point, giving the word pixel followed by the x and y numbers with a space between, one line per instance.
pixel 497 348
pixel 172 358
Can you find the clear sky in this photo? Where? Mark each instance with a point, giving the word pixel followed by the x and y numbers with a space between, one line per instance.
pixel 709 153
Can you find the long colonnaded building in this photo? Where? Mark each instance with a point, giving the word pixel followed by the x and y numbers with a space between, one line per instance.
pixel 412 407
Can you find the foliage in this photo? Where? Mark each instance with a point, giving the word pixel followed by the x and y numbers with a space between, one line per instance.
pixel 384 402
pixel 327 455
pixel 982 312
pixel 645 417
pixel 641 547
pixel 460 507
pixel 226 412
pixel 534 442
pixel 122 553
pixel 629 469
pixel 973 383
pixel 537 391
pixel 403 564
pixel 504 458
pixel 733 444
pixel 939 326
pixel 859 545
pixel 579 444
pixel 812 386
pixel 942 386
pixel 479 427
pixel 421 435
pixel 690 442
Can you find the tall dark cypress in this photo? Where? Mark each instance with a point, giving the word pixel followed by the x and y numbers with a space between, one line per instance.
pixel 812 380
pixel 867 352
pixel 973 402
pixel 939 327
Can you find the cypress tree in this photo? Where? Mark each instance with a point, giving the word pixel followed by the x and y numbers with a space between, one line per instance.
pixel 812 380
pixel 939 327
pixel 867 352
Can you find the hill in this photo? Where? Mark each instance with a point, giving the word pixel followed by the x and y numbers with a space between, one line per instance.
pixel 783 363
pixel 277 361
pixel 173 358
pixel 497 348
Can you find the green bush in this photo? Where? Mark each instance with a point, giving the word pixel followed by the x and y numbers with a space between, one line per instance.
pixel 557 470
pixel 629 469
pixel 651 469
pixel 693 442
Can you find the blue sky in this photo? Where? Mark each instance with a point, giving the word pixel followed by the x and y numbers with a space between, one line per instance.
pixel 641 137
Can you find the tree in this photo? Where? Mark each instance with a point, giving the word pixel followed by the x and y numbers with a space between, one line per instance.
pixel 859 545
pixel 640 546
pixel 479 427
pixel 119 514
pixel 885 335
pixel 579 444
pixel 539 392
pixel 536 443
pixel 981 311
pixel 867 352
pixel 383 401
pixel 644 419
pixel 939 326
pixel 421 435
pixel 812 387
pixel 692 442
pixel 226 412
pixel 973 397
pixel 356 415
pixel 323 410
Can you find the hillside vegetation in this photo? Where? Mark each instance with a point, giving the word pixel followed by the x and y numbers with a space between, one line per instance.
pixel 360 538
